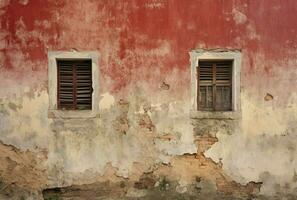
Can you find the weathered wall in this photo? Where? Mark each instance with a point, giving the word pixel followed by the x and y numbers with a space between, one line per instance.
pixel 145 123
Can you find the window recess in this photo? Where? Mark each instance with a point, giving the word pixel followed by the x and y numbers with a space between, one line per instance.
pixel 74 88
pixel 214 85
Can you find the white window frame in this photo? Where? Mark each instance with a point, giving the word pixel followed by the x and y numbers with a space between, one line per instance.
pixel 202 54
pixel 53 111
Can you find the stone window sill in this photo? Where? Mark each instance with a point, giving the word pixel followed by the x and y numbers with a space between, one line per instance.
pixel 225 115
pixel 72 114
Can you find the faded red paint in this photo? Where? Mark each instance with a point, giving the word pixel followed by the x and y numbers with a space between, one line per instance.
pixel 123 30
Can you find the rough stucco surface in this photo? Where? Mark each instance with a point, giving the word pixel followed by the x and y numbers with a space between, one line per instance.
pixel 144 125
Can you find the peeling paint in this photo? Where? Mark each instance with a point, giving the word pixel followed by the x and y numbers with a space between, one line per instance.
pixel 144 142
pixel 239 17
pixel 106 102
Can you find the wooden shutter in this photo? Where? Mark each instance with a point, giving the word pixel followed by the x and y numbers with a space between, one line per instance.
pixel 214 85
pixel 223 86
pixel 205 86
pixel 74 84
pixel 84 85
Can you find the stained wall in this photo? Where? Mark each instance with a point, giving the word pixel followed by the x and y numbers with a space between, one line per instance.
pixel 145 120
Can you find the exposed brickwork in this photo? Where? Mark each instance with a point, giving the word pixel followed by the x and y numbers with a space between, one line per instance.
pixel 204 142
pixel 25 169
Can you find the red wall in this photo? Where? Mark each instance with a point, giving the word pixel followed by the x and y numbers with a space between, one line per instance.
pixel 149 39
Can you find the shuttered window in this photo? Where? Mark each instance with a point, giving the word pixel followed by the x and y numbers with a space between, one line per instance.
pixel 214 85
pixel 74 84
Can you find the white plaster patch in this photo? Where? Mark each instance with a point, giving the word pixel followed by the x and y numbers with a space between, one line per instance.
pixel 106 101
pixel 259 153
pixel 28 127
pixel 175 121
pixel 239 17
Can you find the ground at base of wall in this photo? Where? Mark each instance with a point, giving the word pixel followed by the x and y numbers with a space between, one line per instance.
pixel 13 192
pixel 168 191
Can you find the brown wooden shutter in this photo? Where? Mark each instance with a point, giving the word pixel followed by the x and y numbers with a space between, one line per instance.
pixel 84 85
pixel 65 85
pixel 205 86
pixel 223 86
pixel 74 84
pixel 215 85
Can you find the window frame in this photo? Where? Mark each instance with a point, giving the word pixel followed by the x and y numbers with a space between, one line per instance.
pixel 53 111
pixel 213 55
